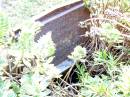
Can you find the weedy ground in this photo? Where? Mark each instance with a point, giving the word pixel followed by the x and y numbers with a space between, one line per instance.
pixel 107 52
pixel 101 66
pixel 102 62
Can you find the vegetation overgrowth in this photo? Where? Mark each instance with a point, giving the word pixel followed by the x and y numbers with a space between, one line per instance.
pixel 25 64
pixel 102 62
pixel 106 65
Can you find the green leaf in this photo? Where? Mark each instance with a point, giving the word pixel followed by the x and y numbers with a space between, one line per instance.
pixel 110 34
pixel 15 87
pixel 78 53
pixel 45 46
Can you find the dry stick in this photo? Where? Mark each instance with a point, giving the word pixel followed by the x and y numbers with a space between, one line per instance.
pixel 110 21
pixel 55 91
pixel 9 62
pixel 72 85
pixel 68 73
pixel 10 76
pixel 121 55
pixel 69 85
pixel 96 44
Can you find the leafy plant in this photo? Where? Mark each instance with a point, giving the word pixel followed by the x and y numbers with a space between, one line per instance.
pixel 78 54
pixel 124 81
pixel 103 57
pixel 109 29
pixel 108 21
pixel 25 64
pixel 110 34
pixel 81 71
pixel 49 48
pixel 34 85
pixel 96 87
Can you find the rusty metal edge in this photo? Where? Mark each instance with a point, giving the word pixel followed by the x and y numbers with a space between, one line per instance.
pixel 52 16
pixel 57 8
pixel 66 64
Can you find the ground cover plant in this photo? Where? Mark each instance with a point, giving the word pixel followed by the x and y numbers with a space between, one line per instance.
pixel 101 64
pixel 106 67
pixel 25 64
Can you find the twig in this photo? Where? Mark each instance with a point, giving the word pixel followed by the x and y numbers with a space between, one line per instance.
pixel 10 76
pixel 69 85
pixel 113 21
